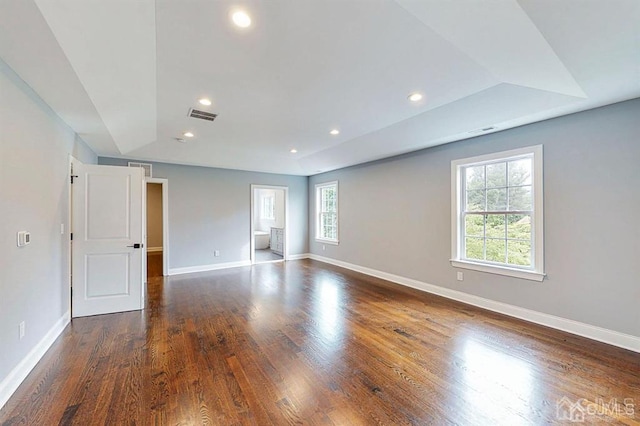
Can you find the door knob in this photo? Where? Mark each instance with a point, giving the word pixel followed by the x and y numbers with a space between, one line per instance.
pixel 136 245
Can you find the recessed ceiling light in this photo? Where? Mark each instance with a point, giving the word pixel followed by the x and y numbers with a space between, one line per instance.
pixel 335 132
pixel 293 151
pixel 241 19
pixel 204 101
pixel 187 134
pixel 415 97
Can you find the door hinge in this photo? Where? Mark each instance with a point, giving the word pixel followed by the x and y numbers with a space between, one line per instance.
pixel 73 176
pixel 71 236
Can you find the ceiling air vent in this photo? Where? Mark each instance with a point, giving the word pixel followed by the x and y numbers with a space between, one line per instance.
pixel 148 168
pixel 486 129
pixel 202 115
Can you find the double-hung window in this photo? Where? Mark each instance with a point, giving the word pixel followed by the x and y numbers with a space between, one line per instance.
pixel 327 212
pixel 268 210
pixel 497 213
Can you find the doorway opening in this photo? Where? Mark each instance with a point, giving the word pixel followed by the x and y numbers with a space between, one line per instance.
pixel 157 227
pixel 268 223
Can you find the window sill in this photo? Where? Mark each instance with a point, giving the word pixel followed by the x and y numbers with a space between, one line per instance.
pixel 332 242
pixel 499 270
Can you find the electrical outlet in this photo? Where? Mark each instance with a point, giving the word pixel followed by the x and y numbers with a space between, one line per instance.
pixel 460 276
pixel 323 247
pixel 216 253
pixel 21 328
pixel 62 229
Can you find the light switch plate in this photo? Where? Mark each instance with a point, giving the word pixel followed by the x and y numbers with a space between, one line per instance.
pixel 23 238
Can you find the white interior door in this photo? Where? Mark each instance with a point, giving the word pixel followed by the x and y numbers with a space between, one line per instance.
pixel 107 239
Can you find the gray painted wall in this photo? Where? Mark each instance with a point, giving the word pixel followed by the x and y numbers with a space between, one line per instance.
pixel 210 209
pixel 395 217
pixel 34 159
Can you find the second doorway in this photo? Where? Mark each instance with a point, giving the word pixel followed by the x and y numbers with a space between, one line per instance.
pixel 268 223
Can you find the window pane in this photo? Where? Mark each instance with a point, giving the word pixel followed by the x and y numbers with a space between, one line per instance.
pixel 327 222
pixel 519 226
pixel 494 218
pixel 475 201
pixel 328 226
pixel 332 233
pixel 474 225
pixel 496 225
pixel 328 199
pixel 269 208
pixel 474 248
pixel 520 172
pixel 496 175
pixel 474 177
pixel 496 199
pixel 496 250
pixel 519 253
pixel 331 230
pixel 520 198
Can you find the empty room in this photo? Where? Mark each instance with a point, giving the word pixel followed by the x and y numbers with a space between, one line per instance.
pixel 354 212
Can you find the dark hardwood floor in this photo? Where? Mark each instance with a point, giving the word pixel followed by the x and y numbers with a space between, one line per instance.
pixel 305 342
pixel 154 264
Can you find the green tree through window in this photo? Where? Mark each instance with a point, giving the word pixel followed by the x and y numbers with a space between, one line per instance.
pixel 327 212
pixel 496 212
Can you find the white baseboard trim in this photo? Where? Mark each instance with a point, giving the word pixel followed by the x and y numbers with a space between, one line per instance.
pixel 298 256
pixel 153 249
pixel 600 334
pixel 205 268
pixel 11 383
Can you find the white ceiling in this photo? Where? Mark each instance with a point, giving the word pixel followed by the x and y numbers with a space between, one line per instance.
pixel 124 73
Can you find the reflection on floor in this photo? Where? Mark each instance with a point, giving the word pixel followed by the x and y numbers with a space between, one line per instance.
pixel 266 255
pixel 304 341
pixel 154 264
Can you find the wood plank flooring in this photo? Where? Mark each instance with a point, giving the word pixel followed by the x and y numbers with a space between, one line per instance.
pixel 154 264
pixel 307 343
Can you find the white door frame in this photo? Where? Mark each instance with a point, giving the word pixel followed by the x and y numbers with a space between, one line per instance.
pixel 165 222
pixel 255 187
pixel 69 231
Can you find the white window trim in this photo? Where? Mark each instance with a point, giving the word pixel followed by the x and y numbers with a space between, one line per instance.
pixel 319 186
pixel 536 273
